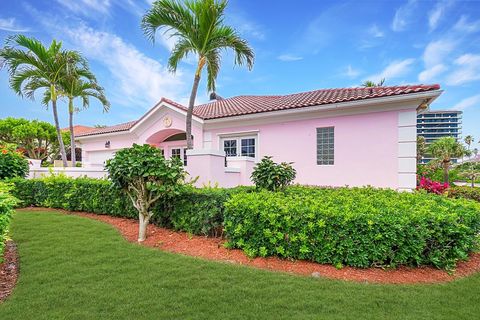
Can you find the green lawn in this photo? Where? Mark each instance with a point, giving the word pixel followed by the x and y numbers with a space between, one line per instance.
pixel 77 268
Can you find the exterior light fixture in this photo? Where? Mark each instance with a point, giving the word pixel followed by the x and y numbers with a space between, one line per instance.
pixel 107 144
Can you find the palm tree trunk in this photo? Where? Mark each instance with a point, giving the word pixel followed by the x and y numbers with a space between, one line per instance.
pixel 446 166
pixel 73 155
pixel 191 104
pixel 59 133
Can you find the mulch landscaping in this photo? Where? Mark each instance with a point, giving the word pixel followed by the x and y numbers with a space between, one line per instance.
pixel 213 249
pixel 8 270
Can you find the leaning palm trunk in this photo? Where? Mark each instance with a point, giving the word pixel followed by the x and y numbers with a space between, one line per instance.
pixel 191 104
pixel 73 154
pixel 59 133
pixel 446 165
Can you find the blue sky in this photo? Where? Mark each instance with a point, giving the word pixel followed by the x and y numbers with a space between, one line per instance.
pixel 299 46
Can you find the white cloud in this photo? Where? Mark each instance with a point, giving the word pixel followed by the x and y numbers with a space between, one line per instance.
pixel 11 25
pixel 463 25
pixel 432 73
pixel 436 52
pixel 289 57
pixel 403 16
pixel 139 79
pixel 468 70
pixel 467 103
pixel 351 72
pixel 375 31
pixel 246 27
pixel 395 69
pixel 436 14
pixel 86 7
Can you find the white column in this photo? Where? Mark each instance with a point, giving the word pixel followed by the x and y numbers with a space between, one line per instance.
pixel 407 150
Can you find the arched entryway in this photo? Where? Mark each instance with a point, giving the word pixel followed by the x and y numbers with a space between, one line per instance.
pixel 172 142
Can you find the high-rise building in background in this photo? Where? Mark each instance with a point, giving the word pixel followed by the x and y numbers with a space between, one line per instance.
pixel 434 125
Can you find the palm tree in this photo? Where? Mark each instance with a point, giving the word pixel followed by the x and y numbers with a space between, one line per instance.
pixel 73 88
pixel 32 66
pixel 445 149
pixel 421 148
pixel 199 27
pixel 371 84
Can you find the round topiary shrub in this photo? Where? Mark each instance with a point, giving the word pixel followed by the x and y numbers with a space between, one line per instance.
pixel 273 176
pixel 12 164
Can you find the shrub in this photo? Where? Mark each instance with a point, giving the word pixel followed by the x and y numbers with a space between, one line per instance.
pixel 273 176
pixel 196 211
pixel 81 194
pixel 7 202
pixel 142 173
pixel 465 193
pixel 432 186
pixel 12 164
pixel 359 227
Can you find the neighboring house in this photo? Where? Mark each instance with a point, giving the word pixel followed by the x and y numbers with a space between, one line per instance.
pixel 334 137
pixel 434 125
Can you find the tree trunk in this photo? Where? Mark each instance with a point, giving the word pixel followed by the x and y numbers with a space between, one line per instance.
pixel 191 104
pixel 446 166
pixel 73 154
pixel 473 182
pixel 143 219
pixel 59 133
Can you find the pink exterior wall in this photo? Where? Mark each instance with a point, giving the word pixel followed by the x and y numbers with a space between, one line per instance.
pixel 365 148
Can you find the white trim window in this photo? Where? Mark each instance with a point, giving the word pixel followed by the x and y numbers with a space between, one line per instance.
pixel 180 153
pixel 245 146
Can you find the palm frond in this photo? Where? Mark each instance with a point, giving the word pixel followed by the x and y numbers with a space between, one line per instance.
pixel 181 50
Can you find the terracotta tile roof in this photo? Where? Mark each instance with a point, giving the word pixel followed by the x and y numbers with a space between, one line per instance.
pixel 242 105
pixel 116 128
pixel 79 129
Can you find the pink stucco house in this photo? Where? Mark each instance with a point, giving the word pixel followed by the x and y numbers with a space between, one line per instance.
pixel 334 137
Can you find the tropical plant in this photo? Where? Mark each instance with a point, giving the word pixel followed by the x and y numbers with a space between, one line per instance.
pixel 74 87
pixel 198 26
pixel 36 139
pixel 12 164
pixel 445 149
pixel 273 176
pixel 32 66
pixel 432 186
pixel 371 84
pixel 146 177
pixel 421 148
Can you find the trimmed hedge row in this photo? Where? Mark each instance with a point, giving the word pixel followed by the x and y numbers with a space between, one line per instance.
pixel 465 193
pixel 197 211
pixel 359 227
pixel 7 202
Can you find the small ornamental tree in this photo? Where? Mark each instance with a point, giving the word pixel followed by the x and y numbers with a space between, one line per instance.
pixel 273 176
pixel 12 164
pixel 145 176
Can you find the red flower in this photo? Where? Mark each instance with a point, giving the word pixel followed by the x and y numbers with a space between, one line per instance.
pixel 432 186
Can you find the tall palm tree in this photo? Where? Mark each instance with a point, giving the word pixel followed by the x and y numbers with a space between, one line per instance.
pixel 75 87
pixel 33 66
pixel 199 27
pixel 445 149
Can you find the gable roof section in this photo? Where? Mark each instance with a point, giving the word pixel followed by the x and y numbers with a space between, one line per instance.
pixel 243 105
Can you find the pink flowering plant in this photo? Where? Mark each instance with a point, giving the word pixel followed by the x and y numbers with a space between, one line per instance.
pixel 432 186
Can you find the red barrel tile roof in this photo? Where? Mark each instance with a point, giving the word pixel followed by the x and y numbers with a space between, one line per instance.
pixel 243 105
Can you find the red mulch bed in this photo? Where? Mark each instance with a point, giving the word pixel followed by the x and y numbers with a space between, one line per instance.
pixel 8 270
pixel 212 249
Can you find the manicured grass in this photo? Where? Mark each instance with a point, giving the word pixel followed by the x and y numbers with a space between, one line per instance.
pixel 77 268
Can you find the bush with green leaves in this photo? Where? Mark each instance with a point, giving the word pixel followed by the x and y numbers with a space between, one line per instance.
pixel 7 202
pixel 464 192
pixel 273 176
pixel 12 164
pixel 145 176
pixel 360 227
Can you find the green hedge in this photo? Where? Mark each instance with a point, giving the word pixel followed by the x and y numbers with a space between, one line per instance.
pixel 7 202
pixel 197 211
pixel 359 227
pixel 464 192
